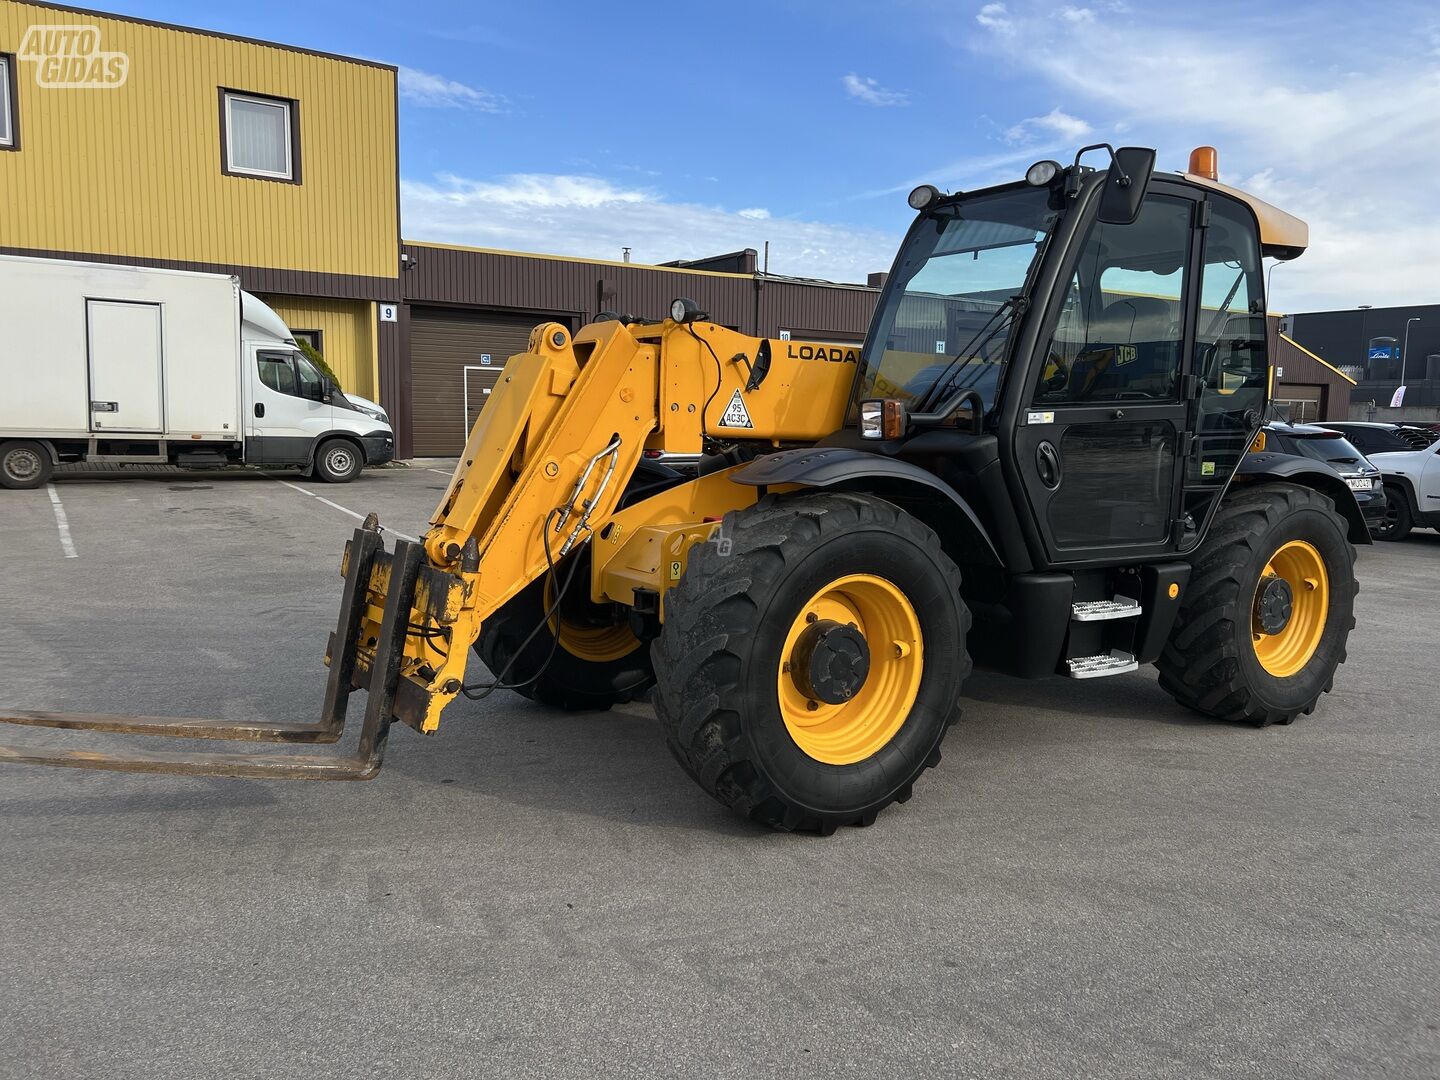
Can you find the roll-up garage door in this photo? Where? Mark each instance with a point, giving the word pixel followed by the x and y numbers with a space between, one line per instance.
pixel 456 357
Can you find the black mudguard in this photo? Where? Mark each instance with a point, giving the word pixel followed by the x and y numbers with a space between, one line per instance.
pixel 839 468
pixel 1310 473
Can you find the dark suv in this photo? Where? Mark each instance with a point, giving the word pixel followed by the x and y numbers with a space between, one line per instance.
pixel 1371 438
pixel 1337 451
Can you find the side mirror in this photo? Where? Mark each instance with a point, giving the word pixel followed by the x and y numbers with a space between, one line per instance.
pixel 1125 184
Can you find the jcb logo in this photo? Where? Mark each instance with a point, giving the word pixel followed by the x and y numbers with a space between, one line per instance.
pixel 70 58
pixel 1125 354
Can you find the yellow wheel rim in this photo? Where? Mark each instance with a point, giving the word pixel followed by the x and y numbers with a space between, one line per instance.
pixel 853 730
pixel 598 644
pixel 1299 565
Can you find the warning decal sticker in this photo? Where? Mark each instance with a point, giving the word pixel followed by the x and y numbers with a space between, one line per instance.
pixel 736 415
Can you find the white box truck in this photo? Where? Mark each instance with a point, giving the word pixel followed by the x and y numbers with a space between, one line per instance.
pixel 133 364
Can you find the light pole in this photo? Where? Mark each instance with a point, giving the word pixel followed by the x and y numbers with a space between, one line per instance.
pixel 1405 348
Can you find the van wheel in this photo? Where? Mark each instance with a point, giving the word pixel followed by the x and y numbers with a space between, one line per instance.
pixel 338 462
pixel 24 464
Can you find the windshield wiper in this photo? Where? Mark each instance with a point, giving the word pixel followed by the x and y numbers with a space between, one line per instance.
pixel 950 372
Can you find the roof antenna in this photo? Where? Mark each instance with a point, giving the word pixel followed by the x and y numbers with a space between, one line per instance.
pixel 766 268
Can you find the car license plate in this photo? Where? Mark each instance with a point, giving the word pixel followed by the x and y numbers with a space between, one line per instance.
pixel 1359 483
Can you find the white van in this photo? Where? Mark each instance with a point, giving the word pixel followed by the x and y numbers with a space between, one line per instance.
pixel 132 364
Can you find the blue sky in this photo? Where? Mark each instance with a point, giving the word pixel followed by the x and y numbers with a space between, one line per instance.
pixel 682 130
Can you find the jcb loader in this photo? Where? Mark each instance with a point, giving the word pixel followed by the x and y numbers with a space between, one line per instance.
pixel 1047 455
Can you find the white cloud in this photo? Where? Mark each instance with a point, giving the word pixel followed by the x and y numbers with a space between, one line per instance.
pixel 437 92
pixel 1077 15
pixel 871 92
pixel 594 218
pixel 1054 124
pixel 1313 132
pixel 994 17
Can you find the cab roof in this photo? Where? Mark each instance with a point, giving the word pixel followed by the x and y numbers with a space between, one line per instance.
pixel 1282 235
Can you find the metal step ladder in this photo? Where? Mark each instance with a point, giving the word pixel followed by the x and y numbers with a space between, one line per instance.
pixel 1115 661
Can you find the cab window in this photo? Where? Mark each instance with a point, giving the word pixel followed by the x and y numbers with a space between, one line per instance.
pixel 277 373
pixel 1121 328
pixel 311 382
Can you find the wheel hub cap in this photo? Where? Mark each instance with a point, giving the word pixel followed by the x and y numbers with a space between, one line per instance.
pixel 849 669
pixel 22 465
pixel 1274 604
pixel 830 661
pixel 1290 609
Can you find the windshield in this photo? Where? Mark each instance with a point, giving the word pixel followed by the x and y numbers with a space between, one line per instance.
pixel 945 317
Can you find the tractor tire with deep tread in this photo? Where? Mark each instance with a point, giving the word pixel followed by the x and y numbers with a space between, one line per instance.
pixel 721 649
pixel 617 668
pixel 1210 663
pixel 24 465
pixel 1398 519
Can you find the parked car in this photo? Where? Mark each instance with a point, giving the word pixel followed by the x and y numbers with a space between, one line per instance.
pixel 1336 450
pixel 1411 478
pixel 1372 438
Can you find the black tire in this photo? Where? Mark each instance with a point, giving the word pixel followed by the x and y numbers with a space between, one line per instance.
pixel 719 653
pixel 1209 663
pixel 565 680
pixel 1398 519
pixel 24 465
pixel 337 461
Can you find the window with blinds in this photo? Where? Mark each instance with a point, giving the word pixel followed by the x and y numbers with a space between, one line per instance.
pixel 259 136
pixel 7 102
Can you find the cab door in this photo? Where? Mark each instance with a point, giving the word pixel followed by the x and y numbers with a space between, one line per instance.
pixel 1101 435
pixel 289 408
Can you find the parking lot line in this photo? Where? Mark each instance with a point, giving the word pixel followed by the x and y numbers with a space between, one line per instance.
pixel 333 505
pixel 67 545
pixel 442 472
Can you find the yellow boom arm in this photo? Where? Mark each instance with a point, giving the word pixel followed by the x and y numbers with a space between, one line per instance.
pixel 551 455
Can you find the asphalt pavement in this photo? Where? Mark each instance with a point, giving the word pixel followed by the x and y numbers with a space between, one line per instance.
pixel 1094 882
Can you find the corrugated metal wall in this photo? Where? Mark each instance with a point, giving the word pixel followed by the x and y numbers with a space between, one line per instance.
pixel 346 333
pixel 575 290
pixel 136 170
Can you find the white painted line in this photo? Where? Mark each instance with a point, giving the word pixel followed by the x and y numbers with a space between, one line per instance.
pixel 342 509
pixel 67 545
pixel 442 472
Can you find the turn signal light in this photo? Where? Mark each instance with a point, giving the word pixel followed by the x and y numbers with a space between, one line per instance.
pixel 1258 446
pixel 882 418
pixel 1204 161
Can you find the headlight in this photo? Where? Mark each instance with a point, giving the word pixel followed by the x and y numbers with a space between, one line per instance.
pixel 1041 173
pixel 375 414
pixel 923 196
pixel 871 418
pixel 882 419
pixel 684 310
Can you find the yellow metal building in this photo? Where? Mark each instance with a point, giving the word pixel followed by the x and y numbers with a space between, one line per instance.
pixel 138 142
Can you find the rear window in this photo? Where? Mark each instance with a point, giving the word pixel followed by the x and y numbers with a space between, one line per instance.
pixel 1378 440
pixel 1337 451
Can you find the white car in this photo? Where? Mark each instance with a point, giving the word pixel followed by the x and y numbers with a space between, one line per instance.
pixel 1412 490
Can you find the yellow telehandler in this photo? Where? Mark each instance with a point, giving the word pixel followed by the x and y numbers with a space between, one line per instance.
pixel 1047 455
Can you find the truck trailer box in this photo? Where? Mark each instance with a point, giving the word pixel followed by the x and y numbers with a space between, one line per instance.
pixel 92 350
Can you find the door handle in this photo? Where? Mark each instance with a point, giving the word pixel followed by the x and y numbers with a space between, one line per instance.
pixel 259 408
pixel 1047 464
pixel 104 406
